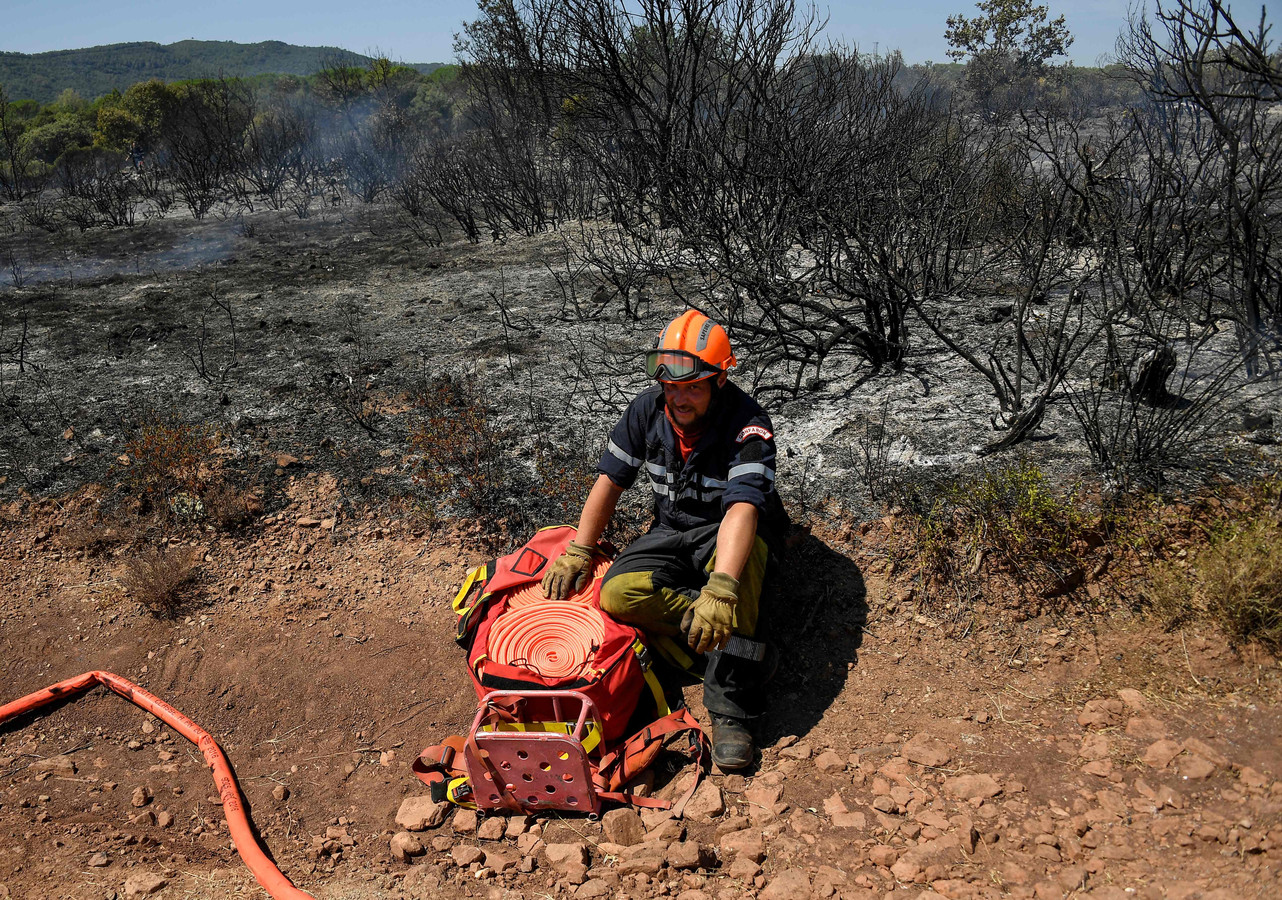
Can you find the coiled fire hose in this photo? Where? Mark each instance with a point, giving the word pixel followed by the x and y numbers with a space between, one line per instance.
pixel 272 880
pixel 553 639
pixel 533 593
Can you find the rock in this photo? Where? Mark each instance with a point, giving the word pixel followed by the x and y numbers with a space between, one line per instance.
pixel 62 766
pixel 834 805
pixel 688 855
pixel 830 763
pixel 972 787
pixel 98 860
pixel 562 857
pixel 667 831
pixel 280 793
pixel 421 813
pixel 164 818
pixel 1101 713
pixel 465 821
pixel 1145 728
pixel 744 843
pixel 800 750
pixel 1100 768
pixel 593 889
pixel 1094 746
pixel 517 826
pixel 492 829
pixel 1252 777
pixel 850 820
pixel 790 884
pixel 645 859
pixel 146 817
pixel 307 522
pixel 707 803
pixel 1205 751
pixel 141 797
pixel 501 861
pixel 529 843
pixel 443 843
pixel 763 795
pixel 905 870
pixel 926 750
pixel 1133 698
pixel 284 460
pixel 465 854
pixel 693 894
pixel 404 846
pixel 882 855
pixel 1160 753
pixel 143 884
pixel 624 826
pixel 1196 767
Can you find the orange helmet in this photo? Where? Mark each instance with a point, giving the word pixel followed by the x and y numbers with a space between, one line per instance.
pixel 691 348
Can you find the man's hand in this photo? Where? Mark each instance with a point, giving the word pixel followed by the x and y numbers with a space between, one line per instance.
pixel 713 614
pixel 568 573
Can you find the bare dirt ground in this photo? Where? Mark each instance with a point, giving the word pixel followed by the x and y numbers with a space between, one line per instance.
pixel 1081 753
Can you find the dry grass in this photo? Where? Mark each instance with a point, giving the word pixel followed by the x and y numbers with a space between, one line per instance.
pixel 160 578
pixel 1235 582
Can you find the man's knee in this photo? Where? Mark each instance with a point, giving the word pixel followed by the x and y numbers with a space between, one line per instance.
pixel 623 596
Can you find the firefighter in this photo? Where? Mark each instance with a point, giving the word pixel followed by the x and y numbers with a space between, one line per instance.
pixel 705 450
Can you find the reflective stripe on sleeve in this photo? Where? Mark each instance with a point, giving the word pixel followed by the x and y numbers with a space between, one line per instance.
pixel 618 452
pixel 751 469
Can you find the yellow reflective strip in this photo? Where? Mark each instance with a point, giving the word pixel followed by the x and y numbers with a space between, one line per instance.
pixel 472 576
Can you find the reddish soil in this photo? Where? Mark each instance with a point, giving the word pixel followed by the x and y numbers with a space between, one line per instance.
pixel 1072 756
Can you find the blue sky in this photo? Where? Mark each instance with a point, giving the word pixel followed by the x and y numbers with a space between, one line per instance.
pixel 422 30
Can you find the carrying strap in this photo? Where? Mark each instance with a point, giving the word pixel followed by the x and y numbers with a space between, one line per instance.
pixel 614 769
pixel 440 767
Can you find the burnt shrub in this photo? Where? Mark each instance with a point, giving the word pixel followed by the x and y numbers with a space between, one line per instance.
pixel 161 578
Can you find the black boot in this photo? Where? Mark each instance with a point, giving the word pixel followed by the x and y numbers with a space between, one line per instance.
pixel 731 743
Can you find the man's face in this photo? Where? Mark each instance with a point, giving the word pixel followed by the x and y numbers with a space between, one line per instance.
pixel 688 401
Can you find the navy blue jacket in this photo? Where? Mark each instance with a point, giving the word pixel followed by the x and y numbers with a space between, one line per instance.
pixel 733 461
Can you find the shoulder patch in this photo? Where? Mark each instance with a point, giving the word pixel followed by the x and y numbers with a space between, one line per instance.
pixel 753 431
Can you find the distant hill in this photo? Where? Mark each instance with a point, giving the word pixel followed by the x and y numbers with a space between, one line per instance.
pixel 94 71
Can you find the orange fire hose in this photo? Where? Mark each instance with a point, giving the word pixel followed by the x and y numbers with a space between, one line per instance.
pixel 552 639
pixel 533 592
pixel 269 877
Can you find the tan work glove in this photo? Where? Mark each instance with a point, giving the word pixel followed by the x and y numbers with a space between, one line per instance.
pixel 713 618
pixel 568 573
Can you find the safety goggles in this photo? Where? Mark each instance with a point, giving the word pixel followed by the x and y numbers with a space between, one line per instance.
pixel 677 365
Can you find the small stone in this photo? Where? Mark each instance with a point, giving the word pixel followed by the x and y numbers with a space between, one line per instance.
pixel 1159 754
pixel 564 857
pixel 62 766
pixel 1101 713
pixel 501 861
pixel 404 846
pixel 1145 728
pixel 850 820
pixel 1100 768
pixel 1196 767
pixel 465 821
pixel 421 813
pixel 790 884
pixel 883 855
pixel 1133 698
pixel 143 884
pixel 593 889
pixel 927 750
pixel 744 843
pixel 645 859
pixel 141 796
pixel 830 762
pixel 465 855
pixel 1094 746
pixel 707 803
pixel 1205 751
pixel 284 460
pixel 517 826
pixel 98 860
pixel 687 855
pixel 280 793
pixel 800 750
pixel 624 826
pixel 164 818
pixel 443 843
pixel 146 817
pixel 492 829
pixel 972 787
